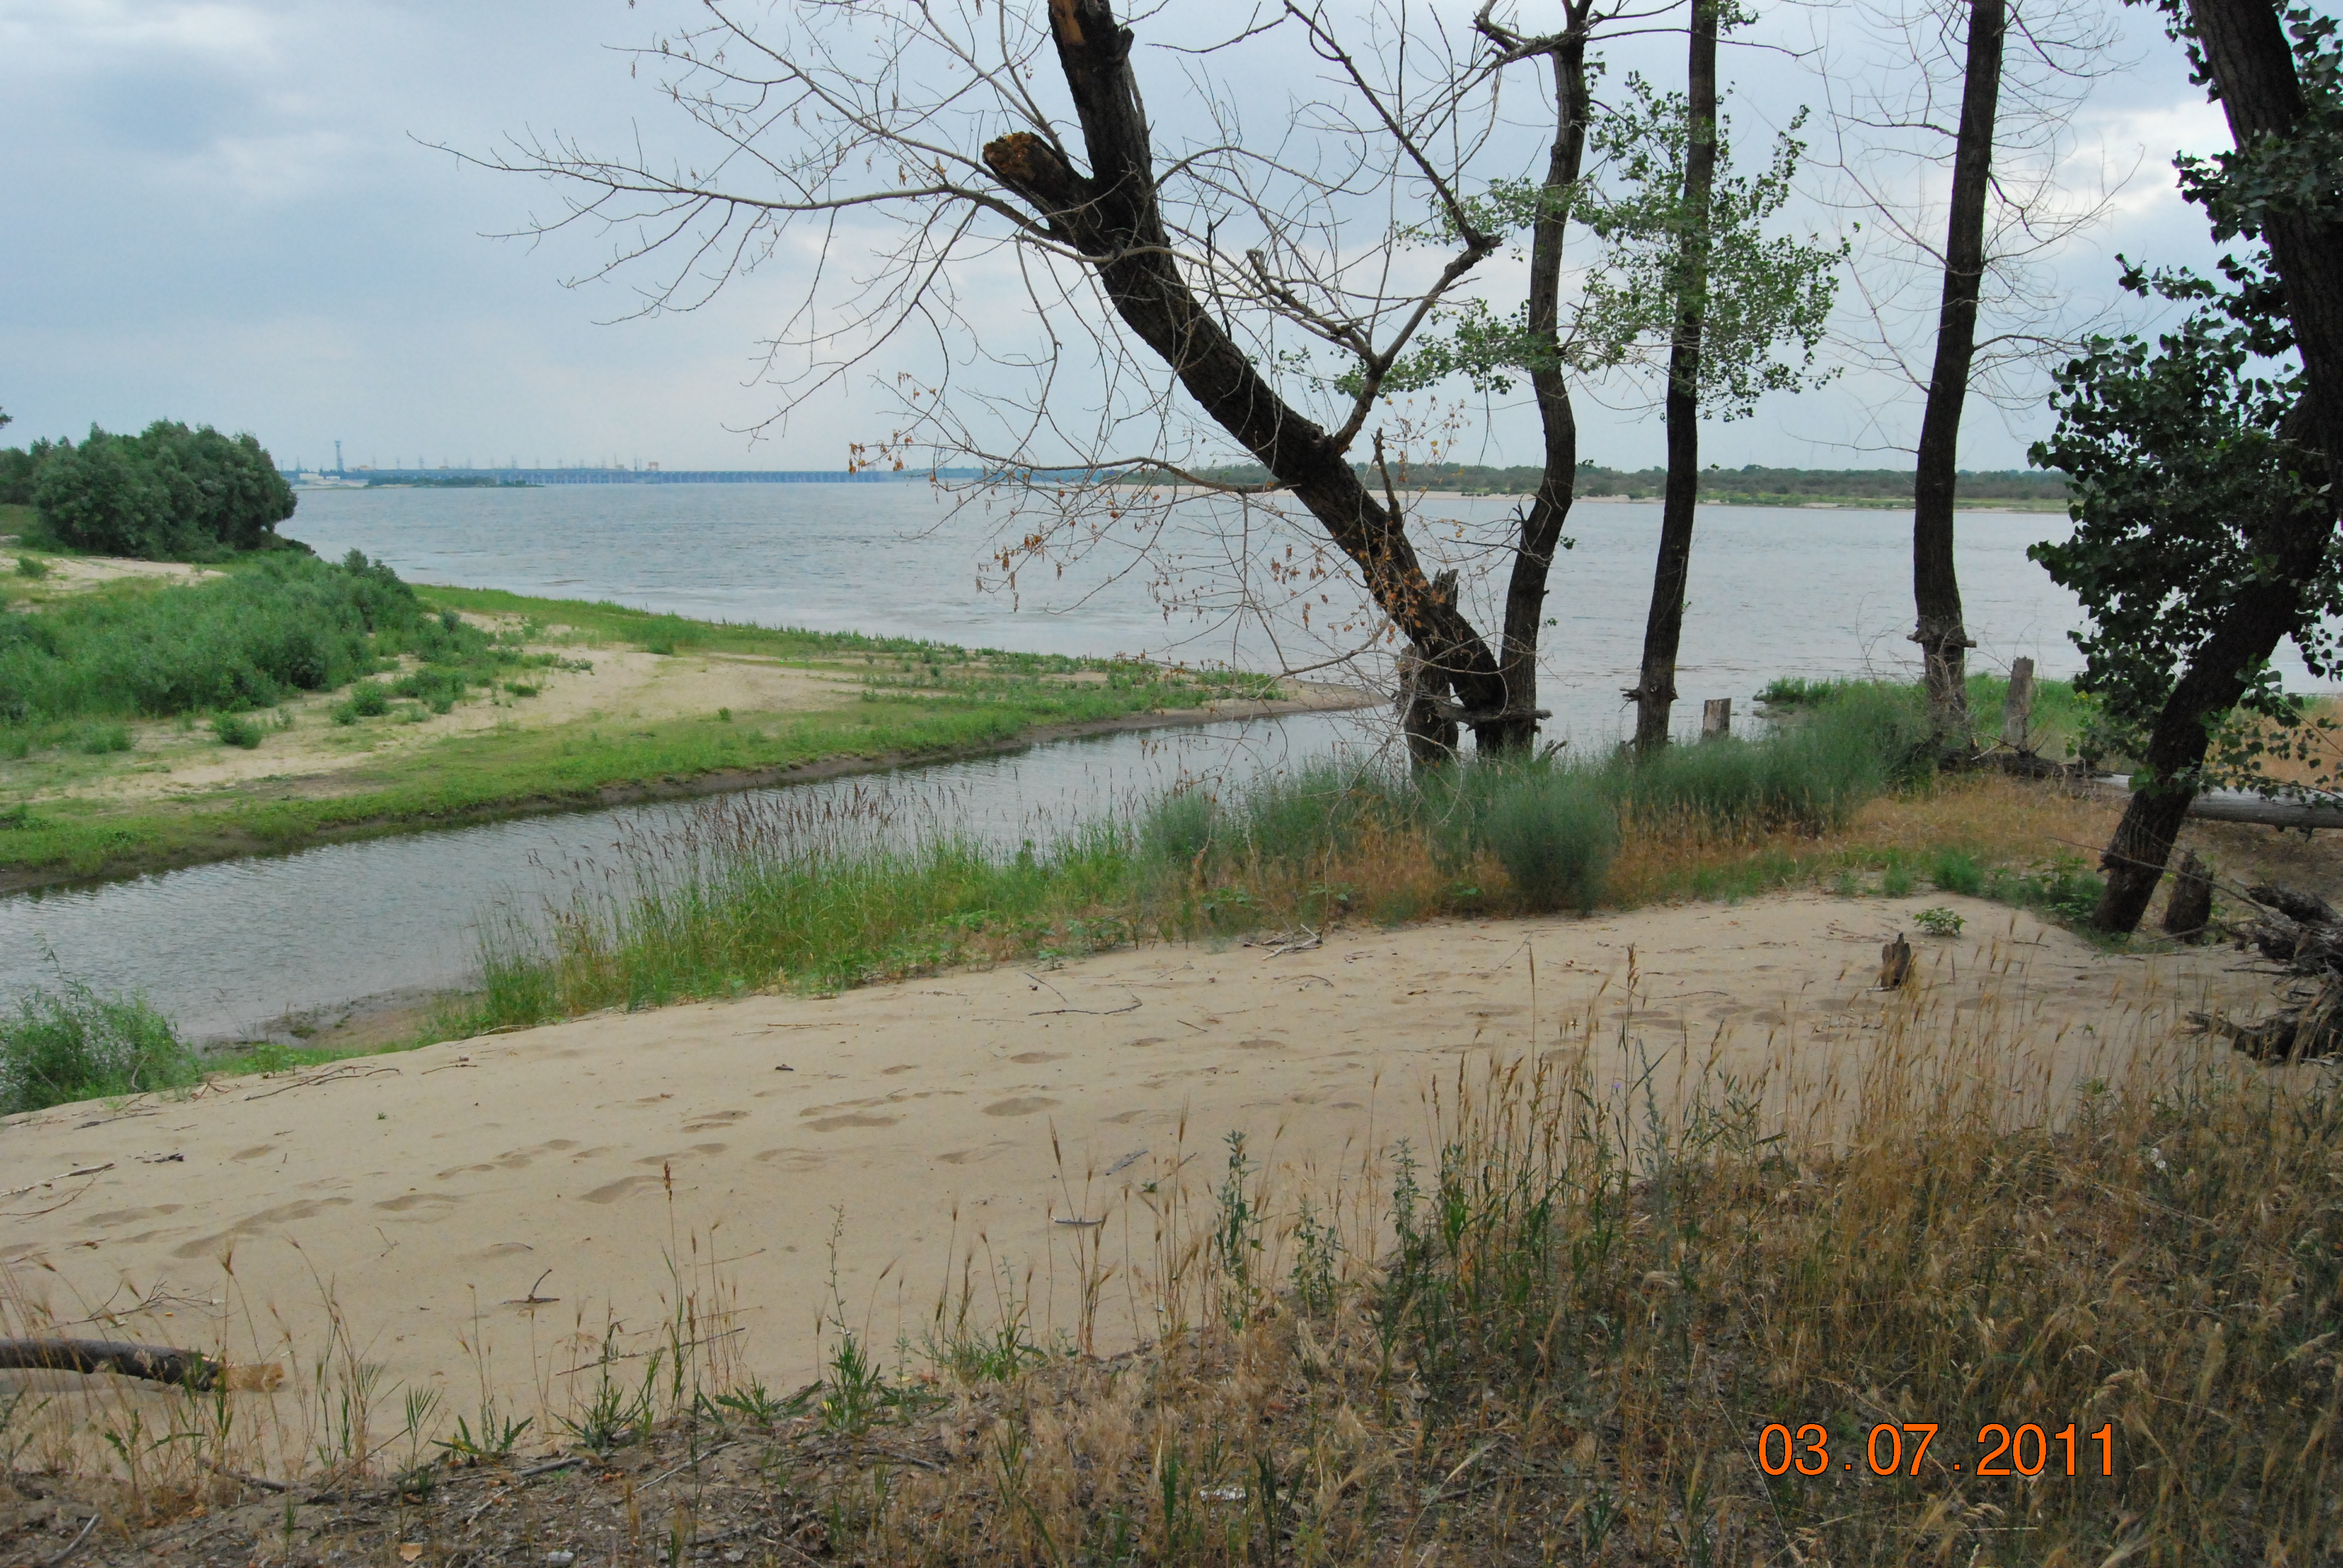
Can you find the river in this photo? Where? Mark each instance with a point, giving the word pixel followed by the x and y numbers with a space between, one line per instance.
pixel 224 948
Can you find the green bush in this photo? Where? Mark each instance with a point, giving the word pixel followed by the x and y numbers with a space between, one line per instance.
pixel 1958 872
pixel 235 730
pixel 30 567
pixel 73 1044
pixel 98 739
pixel 170 493
pixel 287 623
pixel 1554 832
pixel 367 699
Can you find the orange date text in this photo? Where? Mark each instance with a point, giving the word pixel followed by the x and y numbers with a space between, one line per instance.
pixel 1898 1449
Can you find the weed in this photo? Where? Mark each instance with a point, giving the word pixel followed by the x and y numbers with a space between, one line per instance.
pixel 32 567
pixel 1939 922
pixel 235 730
pixel 1958 872
pixel 497 1438
pixel 100 739
pixel 73 1044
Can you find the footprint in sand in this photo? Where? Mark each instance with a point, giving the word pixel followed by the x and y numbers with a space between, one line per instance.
pixel 973 1156
pixel 792 1158
pixel 1261 1045
pixel 1150 1040
pixel 1030 1057
pixel 436 1205
pixel 128 1216
pixel 252 1224
pixel 610 1193
pixel 702 1149
pixel 1022 1105
pixel 258 1151
pixel 707 1121
pixel 840 1123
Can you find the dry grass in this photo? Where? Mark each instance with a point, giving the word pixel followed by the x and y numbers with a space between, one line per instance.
pixel 1556 1332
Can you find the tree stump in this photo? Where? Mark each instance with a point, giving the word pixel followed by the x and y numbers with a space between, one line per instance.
pixel 2190 907
pixel 1715 717
pixel 2017 708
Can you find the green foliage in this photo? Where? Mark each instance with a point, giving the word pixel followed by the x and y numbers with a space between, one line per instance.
pixel 170 493
pixel 1554 832
pixel 287 623
pixel 73 1044
pixel 31 566
pixel 2183 468
pixel 234 729
pixel 1757 293
pixel 1939 922
pixel 99 740
pixel 367 699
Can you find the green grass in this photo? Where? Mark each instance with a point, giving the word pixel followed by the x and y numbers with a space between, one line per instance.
pixel 774 892
pixel 69 1044
pixel 93 652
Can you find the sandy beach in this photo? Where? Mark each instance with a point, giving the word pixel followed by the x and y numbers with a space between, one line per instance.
pixel 490 1210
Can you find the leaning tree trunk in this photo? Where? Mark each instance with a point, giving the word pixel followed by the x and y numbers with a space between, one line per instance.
pixel 2244 46
pixel 1939 631
pixel 1111 217
pixel 1541 532
pixel 1655 688
pixel 2266 610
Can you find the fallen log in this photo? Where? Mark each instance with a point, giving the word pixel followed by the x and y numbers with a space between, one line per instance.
pixel 185 1369
pixel 2247 806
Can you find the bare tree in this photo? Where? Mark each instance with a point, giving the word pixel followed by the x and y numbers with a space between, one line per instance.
pixel 1285 286
pixel 2004 134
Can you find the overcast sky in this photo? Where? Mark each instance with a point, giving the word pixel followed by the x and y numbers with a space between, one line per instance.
pixel 224 211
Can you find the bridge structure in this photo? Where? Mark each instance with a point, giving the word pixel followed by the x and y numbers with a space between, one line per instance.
pixel 484 477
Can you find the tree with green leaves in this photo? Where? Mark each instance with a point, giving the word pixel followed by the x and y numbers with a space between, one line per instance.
pixel 1688 264
pixel 168 493
pixel 2204 506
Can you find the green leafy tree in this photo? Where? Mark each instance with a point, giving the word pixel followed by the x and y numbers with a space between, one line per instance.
pixel 2206 517
pixel 168 493
pixel 1690 267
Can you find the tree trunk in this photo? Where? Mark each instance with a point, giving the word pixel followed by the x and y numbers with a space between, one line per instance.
pixel 1541 534
pixel 1939 631
pixel 1655 688
pixel 1111 217
pixel 2244 46
pixel 2266 610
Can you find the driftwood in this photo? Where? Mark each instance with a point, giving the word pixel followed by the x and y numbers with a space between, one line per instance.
pixel 1895 964
pixel 187 1369
pixel 2302 934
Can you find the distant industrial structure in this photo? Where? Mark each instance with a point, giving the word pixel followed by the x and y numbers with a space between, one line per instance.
pixel 346 479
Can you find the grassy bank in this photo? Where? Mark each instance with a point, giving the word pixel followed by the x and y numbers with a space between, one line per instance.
pixel 758 894
pixel 108 691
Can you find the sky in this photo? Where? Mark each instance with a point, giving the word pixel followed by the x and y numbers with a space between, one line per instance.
pixel 242 212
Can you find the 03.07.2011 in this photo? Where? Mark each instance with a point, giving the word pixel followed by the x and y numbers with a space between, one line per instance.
pixel 2027 1451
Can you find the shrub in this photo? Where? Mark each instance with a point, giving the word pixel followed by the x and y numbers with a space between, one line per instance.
pixel 73 1044
pixel 235 730
pixel 168 493
pixel 1958 872
pixel 1554 832
pixel 287 623
pixel 367 699
pixel 97 740
pixel 30 567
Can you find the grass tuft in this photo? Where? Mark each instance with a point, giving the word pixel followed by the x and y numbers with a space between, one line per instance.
pixel 73 1044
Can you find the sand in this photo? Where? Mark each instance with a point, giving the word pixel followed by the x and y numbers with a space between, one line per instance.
pixel 518 1194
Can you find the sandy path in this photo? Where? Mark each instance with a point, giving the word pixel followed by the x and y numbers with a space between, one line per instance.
pixel 412 1188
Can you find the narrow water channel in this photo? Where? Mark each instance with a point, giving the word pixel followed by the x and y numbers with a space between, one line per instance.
pixel 223 949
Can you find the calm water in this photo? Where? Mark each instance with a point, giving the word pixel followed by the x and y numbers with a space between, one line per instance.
pixel 1773 591
pixel 224 948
